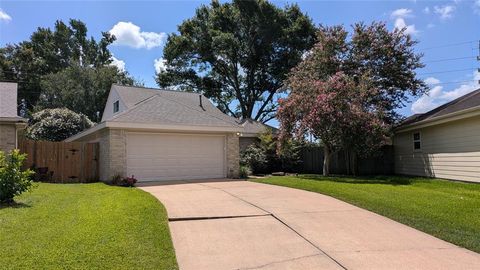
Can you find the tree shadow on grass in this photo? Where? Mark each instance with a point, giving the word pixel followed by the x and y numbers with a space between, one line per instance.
pixel 377 179
pixel 14 205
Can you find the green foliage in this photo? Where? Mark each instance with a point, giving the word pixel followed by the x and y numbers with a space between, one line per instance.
pixel 244 172
pixel 255 158
pixel 267 155
pixel 237 53
pixel 56 124
pixel 80 89
pixel 13 179
pixel 50 51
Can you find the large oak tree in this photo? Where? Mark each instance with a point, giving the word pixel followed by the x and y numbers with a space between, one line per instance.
pixel 237 54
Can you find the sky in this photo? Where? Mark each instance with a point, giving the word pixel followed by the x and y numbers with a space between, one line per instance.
pixel 448 33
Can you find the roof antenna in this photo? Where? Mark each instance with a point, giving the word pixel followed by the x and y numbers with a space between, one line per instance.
pixel 200 99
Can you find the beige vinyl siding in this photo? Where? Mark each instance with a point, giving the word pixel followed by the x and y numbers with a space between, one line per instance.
pixel 450 150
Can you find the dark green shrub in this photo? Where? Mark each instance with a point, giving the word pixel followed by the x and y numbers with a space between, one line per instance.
pixel 254 157
pixel 244 172
pixel 13 180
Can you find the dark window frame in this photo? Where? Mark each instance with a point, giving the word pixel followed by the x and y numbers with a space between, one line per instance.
pixel 116 106
pixel 417 141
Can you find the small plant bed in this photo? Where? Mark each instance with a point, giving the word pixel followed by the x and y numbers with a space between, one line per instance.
pixel 445 209
pixel 85 226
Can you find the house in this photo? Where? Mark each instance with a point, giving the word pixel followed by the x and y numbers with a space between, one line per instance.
pixel 10 122
pixel 442 143
pixel 250 131
pixel 158 134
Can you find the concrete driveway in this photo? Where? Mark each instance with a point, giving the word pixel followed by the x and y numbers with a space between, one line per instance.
pixel 243 225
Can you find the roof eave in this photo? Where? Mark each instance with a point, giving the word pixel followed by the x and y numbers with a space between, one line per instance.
pixel 470 112
pixel 153 127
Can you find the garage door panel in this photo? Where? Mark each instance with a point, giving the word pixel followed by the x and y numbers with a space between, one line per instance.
pixel 152 157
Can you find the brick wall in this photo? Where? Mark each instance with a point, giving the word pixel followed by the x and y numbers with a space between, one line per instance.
pixel 7 137
pixel 233 156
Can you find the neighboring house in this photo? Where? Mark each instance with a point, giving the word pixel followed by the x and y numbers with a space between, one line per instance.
pixel 250 131
pixel 443 143
pixel 10 122
pixel 158 134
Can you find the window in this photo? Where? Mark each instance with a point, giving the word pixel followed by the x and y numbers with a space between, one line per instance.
pixel 417 141
pixel 116 106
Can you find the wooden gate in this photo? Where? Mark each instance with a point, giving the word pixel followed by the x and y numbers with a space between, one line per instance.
pixel 61 162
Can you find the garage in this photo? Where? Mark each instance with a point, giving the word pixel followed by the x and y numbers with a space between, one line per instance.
pixel 175 156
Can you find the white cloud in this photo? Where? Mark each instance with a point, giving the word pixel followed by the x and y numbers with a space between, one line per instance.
pixel 409 29
pixel 160 65
pixel 120 64
pixel 4 16
pixel 445 12
pixel 401 13
pixel 437 96
pixel 430 25
pixel 129 34
pixel 431 81
pixel 426 10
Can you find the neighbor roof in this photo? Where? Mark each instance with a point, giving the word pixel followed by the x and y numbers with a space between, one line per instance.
pixel 462 103
pixel 148 105
pixel 251 126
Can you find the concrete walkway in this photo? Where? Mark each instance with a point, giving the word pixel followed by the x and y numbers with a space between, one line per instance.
pixel 243 225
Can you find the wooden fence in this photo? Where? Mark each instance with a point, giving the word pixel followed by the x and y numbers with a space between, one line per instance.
pixel 341 163
pixel 61 162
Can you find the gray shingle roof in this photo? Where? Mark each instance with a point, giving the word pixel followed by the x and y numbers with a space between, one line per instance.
pixel 148 105
pixel 255 127
pixel 464 102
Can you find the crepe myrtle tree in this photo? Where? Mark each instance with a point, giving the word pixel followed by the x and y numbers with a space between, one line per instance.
pixel 345 92
pixel 237 54
pixel 336 112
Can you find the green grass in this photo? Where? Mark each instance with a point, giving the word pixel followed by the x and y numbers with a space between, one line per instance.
pixel 445 209
pixel 85 226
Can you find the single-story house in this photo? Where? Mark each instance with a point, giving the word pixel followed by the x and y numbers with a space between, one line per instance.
pixel 10 122
pixel 156 134
pixel 250 132
pixel 443 143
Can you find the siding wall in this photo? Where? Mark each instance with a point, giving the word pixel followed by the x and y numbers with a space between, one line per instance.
pixel 8 137
pixel 450 151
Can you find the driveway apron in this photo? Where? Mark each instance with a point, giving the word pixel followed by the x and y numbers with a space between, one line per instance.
pixel 227 224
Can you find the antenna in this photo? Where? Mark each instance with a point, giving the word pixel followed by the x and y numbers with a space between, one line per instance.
pixel 478 58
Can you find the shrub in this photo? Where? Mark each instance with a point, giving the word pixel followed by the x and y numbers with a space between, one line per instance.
pixel 13 180
pixel 244 172
pixel 56 124
pixel 129 181
pixel 118 180
pixel 254 157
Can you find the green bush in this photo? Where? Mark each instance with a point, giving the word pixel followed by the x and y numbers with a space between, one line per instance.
pixel 254 157
pixel 13 180
pixel 244 172
pixel 56 124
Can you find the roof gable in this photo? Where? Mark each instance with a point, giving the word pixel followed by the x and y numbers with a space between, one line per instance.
pixel 146 105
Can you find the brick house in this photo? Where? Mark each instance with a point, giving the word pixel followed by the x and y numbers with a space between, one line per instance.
pixel 10 122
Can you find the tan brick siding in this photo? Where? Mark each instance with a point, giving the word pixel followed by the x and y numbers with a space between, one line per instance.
pixel 233 156
pixel 7 137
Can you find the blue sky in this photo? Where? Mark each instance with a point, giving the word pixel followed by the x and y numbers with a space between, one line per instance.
pixel 448 32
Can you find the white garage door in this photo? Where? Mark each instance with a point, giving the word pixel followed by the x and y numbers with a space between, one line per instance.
pixel 154 157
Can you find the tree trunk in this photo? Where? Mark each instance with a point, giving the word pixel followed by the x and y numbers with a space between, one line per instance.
pixel 326 161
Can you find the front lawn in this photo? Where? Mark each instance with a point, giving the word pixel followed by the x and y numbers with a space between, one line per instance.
pixel 85 226
pixel 445 209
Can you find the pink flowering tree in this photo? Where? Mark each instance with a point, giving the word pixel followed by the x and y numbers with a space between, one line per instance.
pixel 345 92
